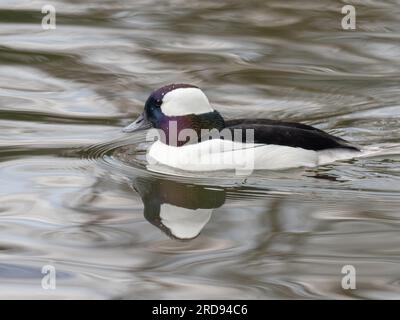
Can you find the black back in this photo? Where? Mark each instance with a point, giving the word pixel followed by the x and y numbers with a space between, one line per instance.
pixel 290 134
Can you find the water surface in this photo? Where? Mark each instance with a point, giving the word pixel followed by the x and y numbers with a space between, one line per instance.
pixel 75 193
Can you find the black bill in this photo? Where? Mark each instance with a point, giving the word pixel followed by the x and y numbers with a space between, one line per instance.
pixel 141 123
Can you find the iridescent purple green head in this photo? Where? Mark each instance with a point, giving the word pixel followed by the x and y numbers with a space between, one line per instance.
pixel 183 106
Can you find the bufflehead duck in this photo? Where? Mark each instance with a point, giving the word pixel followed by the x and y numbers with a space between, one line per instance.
pixel 181 111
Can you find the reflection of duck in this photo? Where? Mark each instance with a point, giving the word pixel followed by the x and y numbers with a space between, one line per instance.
pixel 185 109
pixel 179 210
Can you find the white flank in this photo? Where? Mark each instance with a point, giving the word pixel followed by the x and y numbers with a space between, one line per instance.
pixel 184 223
pixel 183 101
pixel 218 154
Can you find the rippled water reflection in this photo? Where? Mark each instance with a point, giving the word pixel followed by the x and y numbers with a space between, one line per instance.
pixel 75 193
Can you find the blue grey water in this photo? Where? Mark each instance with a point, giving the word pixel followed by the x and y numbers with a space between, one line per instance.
pixel 75 193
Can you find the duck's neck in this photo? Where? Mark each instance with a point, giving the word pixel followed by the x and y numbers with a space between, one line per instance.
pixel 189 128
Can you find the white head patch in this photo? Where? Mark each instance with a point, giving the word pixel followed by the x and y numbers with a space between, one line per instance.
pixel 183 101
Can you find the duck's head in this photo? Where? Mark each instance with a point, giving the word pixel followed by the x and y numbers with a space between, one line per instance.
pixel 184 104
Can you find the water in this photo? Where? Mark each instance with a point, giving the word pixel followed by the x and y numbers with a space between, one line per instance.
pixel 75 193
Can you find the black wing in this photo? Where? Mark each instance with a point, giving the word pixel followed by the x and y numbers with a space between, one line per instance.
pixel 290 134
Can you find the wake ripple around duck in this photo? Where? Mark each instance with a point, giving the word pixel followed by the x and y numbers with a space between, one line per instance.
pixel 124 159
